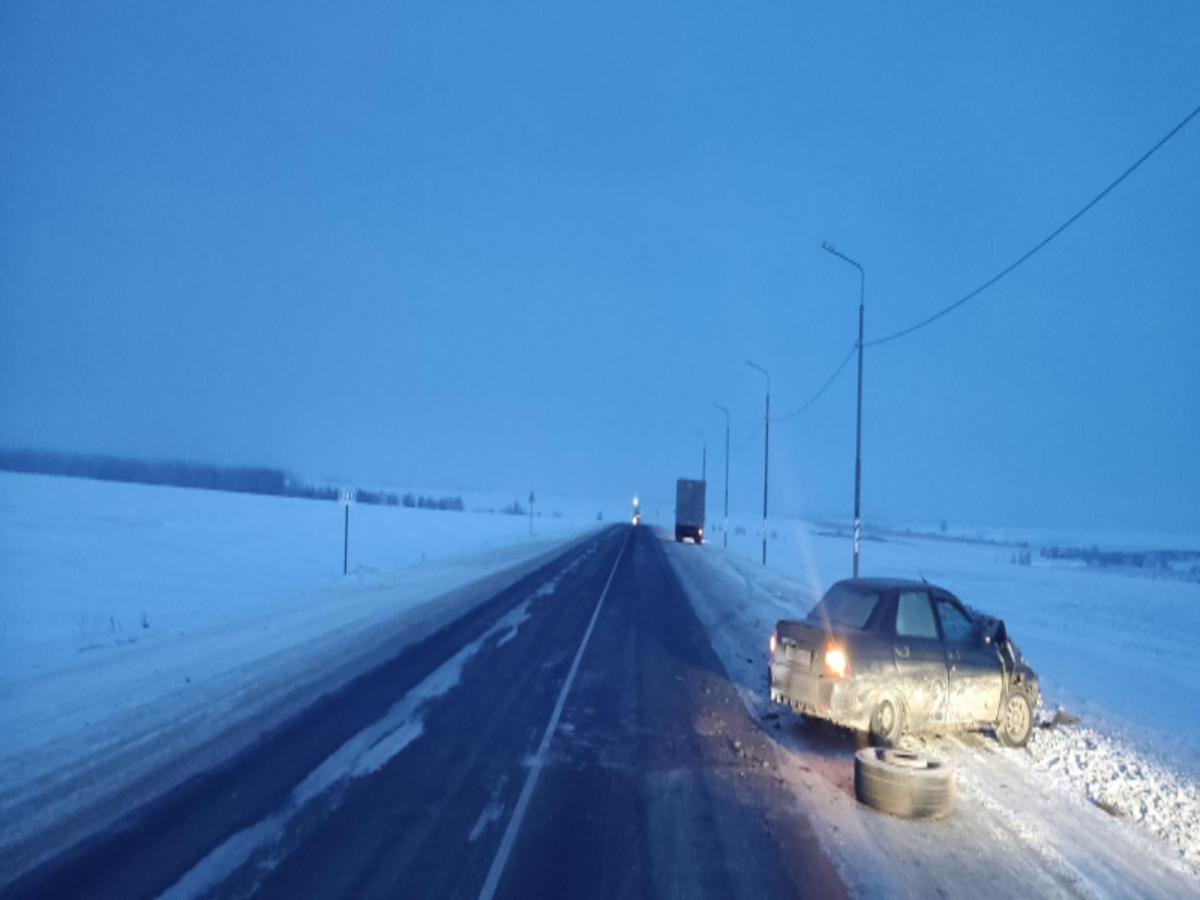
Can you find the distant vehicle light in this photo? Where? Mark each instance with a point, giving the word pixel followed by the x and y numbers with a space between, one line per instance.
pixel 773 643
pixel 835 661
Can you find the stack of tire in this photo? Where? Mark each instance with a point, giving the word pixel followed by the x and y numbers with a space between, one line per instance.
pixel 903 783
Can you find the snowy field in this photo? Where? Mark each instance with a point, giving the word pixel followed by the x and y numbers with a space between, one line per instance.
pixel 1106 807
pixel 148 631
pixel 88 565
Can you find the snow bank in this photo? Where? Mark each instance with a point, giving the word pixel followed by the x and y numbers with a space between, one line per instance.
pixel 1027 822
pixel 147 632
pixel 1102 769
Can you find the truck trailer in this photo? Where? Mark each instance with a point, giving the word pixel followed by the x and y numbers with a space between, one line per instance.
pixel 689 510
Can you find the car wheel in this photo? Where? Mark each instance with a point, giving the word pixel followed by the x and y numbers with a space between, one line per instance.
pixel 1016 721
pixel 903 783
pixel 887 723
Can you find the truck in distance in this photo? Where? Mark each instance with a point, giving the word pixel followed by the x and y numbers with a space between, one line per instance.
pixel 689 510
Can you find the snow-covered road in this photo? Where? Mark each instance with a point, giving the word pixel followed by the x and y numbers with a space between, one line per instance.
pixel 1026 823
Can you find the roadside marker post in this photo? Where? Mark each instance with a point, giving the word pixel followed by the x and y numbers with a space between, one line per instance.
pixel 346 498
pixel 531 513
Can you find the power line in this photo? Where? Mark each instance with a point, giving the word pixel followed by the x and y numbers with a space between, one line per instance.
pixel 813 399
pixel 1041 244
pixel 979 290
pixel 742 445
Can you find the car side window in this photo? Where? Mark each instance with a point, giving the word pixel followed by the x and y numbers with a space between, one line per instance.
pixel 914 616
pixel 955 624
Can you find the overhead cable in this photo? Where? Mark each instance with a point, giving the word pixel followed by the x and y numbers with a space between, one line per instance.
pixel 929 320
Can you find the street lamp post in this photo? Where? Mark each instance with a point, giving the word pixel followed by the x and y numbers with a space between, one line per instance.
pixel 766 453
pixel 862 290
pixel 725 530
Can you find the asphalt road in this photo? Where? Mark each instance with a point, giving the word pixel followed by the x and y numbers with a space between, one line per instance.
pixel 576 735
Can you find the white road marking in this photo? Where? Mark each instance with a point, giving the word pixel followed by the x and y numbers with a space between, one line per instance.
pixel 535 769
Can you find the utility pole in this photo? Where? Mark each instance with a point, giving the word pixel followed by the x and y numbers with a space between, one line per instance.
pixel 725 529
pixel 862 291
pixel 704 456
pixel 766 454
pixel 346 498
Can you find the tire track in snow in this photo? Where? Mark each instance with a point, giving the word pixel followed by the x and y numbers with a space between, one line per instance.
pixel 364 754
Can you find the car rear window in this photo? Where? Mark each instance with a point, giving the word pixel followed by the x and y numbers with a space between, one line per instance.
pixel 843 607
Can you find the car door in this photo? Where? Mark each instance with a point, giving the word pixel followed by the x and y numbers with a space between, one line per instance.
pixel 975 677
pixel 920 659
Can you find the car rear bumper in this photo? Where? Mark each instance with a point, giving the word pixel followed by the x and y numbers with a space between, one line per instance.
pixel 814 694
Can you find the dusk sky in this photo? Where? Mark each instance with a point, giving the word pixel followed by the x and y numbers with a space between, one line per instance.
pixel 476 246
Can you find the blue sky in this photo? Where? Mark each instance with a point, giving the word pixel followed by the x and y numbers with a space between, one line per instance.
pixel 501 247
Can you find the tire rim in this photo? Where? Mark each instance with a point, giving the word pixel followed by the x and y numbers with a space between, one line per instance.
pixel 887 718
pixel 906 759
pixel 1016 719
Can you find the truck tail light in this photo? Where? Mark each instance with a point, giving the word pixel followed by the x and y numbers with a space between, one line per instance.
pixel 774 642
pixel 836 663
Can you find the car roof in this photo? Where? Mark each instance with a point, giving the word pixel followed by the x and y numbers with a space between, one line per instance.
pixel 885 584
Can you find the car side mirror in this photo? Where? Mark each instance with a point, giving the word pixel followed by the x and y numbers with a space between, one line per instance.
pixel 982 634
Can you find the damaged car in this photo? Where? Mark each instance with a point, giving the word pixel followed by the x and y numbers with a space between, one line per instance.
pixel 894 657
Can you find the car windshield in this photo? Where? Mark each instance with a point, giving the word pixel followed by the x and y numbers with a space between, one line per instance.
pixel 845 607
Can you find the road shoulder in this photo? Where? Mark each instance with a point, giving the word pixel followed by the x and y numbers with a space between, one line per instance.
pixel 1012 833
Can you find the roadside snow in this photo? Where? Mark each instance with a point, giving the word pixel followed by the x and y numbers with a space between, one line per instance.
pixel 147 633
pixel 1101 769
pixel 1026 823
pixel 86 566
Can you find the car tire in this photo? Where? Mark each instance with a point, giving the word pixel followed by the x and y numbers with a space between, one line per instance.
pixel 1015 724
pixel 903 783
pixel 887 723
